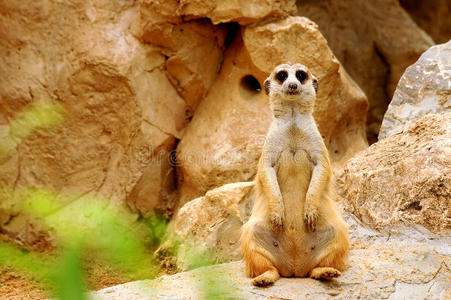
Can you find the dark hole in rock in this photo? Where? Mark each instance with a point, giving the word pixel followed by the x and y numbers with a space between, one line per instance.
pixel 415 205
pixel 249 82
pixel 232 31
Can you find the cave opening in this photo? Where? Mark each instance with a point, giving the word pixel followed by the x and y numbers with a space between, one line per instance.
pixel 251 83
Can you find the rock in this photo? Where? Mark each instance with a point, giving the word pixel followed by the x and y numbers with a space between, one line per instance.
pixel 424 88
pixel 374 40
pixel 404 178
pixel 213 222
pixel 387 270
pixel 219 11
pixel 155 191
pixel 222 143
pixel 432 16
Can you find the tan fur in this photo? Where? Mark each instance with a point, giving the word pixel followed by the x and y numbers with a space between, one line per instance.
pixel 294 229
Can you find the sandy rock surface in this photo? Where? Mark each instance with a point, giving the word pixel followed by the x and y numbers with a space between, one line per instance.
pixel 404 178
pixel 222 144
pixel 424 88
pixel 381 266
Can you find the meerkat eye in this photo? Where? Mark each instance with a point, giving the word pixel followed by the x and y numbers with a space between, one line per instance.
pixel 301 76
pixel 281 76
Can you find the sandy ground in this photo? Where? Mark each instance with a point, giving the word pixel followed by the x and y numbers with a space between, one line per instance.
pixel 15 285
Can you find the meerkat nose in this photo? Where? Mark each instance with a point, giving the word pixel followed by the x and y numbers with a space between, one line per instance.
pixel 292 86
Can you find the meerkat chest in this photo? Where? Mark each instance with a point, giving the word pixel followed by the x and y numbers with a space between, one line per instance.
pixel 297 136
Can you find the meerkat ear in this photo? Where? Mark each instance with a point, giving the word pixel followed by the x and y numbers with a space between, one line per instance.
pixel 267 85
pixel 315 84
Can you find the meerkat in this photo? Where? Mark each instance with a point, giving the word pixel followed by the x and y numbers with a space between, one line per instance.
pixel 295 228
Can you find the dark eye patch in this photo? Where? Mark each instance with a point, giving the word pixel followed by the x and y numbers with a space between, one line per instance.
pixel 281 76
pixel 301 76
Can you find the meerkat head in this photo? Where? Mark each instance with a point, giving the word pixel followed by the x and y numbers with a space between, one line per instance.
pixel 292 83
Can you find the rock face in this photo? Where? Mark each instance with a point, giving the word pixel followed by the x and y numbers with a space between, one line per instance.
pixel 404 178
pixel 379 267
pixel 122 112
pixel 222 143
pixel 374 40
pixel 193 51
pixel 424 88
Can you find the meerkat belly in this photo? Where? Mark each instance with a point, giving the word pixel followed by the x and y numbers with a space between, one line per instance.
pixel 300 248
pixel 293 175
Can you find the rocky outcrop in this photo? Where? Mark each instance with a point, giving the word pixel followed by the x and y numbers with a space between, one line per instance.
pixel 222 144
pixel 374 40
pixel 380 266
pixel 424 88
pixel 404 178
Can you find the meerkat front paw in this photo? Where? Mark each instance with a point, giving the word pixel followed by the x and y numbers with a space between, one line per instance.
pixel 276 221
pixel 310 219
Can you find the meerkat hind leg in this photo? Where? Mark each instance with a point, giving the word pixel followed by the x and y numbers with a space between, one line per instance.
pixel 326 273
pixel 261 267
pixel 267 278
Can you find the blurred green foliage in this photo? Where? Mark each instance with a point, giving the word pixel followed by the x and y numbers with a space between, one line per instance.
pixel 39 265
pixel 85 225
pixel 68 277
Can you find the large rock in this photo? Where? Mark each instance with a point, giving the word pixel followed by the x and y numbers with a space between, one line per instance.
pixel 222 143
pixel 374 40
pixel 404 178
pixel 424 88
pixel 388 268
pixel 122 111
